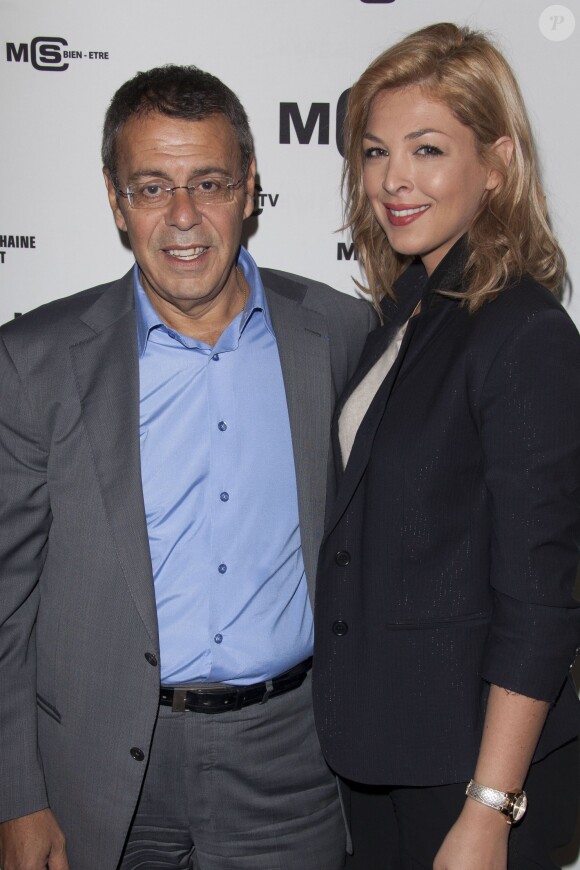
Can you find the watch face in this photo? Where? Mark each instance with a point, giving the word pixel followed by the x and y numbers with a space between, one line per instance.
pixel 519 807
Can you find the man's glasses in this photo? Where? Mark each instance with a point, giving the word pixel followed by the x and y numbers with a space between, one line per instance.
pixel 206 191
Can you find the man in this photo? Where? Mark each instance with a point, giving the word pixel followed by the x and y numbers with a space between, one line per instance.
pixel 164 442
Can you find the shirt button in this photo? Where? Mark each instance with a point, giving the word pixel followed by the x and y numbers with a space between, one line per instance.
pixel 222 568
pixel 339 628
pixel 222 426
pixel 137 753
pixel 342 558
pixel 216 356
pixel 224 496
pixel 151 658
pixel 218 638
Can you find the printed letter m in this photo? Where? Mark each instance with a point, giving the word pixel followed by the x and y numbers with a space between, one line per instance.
pixel 319 114
pixel 17 54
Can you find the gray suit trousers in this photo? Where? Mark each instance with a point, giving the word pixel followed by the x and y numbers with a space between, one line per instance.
pixel 240 790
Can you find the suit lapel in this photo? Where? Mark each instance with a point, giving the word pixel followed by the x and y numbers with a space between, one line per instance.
pixel 436 315
pixel 303 346
pixel 363 442
pixel 107 375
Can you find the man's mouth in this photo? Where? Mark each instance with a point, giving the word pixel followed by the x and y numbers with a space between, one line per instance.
pixel 185 253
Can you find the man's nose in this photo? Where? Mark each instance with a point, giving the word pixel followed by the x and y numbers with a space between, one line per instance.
pixel 183 211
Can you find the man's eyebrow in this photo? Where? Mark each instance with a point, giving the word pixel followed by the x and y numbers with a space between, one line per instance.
pixel 151 172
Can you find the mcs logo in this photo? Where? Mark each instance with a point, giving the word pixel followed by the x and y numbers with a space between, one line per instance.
pixel 45 53
pixel 318 114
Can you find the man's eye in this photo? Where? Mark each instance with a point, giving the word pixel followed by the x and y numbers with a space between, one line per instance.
pixel 209 185
pixel 149 191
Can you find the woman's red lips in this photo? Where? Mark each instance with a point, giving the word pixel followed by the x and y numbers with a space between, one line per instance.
pixel 401 215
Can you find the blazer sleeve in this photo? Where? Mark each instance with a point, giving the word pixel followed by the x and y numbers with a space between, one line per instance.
pixel 24 525
pixel 530 428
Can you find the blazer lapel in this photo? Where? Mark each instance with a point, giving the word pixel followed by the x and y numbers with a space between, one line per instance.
pixel 363 442
pixel 436 314
pixel 303 346
pixel 107 375
pixel 437 310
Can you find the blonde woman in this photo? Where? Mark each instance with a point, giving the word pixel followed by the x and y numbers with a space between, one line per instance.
pixel 446 624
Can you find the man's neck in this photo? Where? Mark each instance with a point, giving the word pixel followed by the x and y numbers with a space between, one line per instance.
pixel 207 320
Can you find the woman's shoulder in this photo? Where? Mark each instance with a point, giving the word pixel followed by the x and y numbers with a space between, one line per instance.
pixel 529 295
pixel 525 328
pixel 519 305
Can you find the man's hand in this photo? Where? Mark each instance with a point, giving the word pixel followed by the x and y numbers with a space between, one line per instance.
pixel 33 842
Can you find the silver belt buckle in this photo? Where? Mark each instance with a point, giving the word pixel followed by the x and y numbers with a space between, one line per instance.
pixel 179 699
pixel 268 692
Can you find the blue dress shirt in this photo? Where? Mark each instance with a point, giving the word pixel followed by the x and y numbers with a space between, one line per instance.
pixel 219 486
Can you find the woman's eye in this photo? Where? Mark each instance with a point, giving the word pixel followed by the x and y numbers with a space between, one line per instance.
pixel 429 151
pixel 375 152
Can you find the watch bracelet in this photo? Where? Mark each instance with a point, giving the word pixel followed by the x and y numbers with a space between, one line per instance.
pixel 490 797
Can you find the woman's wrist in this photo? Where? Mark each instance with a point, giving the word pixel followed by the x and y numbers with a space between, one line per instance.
pixel 484 817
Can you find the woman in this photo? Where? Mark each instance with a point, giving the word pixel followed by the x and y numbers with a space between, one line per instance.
pixel 446 625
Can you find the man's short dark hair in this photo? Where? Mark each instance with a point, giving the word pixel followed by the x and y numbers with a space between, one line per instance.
pixel 179 92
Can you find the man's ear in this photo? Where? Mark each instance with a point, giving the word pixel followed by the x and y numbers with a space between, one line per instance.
pixel 250 185
pixel 502 148
pixel 114 201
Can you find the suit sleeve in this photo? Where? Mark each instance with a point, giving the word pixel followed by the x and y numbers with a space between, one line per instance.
pixel 24 526
pixel 530 425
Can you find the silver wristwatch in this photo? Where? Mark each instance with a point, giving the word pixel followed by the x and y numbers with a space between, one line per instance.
pixel 512 804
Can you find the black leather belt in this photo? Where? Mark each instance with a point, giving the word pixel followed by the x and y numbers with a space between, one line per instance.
pixel 218 698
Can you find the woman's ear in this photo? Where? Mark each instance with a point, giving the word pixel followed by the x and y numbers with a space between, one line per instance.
pixel 502 148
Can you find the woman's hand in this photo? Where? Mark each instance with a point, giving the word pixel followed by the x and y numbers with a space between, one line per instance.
pixel 479 838
pixel 477 841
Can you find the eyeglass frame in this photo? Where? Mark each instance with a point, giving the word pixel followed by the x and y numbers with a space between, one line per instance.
pixel 231 187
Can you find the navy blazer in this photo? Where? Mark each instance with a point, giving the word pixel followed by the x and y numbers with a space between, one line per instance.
pixel 450 554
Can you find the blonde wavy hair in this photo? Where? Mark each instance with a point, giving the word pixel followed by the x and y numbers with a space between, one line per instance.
pixel 510 233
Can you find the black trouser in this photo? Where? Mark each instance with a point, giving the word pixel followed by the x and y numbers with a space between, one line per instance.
pixel 397 828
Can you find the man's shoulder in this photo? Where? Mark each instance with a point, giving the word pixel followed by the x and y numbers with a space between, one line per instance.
pixel 314 294
pixel 60 314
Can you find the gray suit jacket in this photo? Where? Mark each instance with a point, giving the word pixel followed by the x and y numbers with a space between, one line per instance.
pixel 79 680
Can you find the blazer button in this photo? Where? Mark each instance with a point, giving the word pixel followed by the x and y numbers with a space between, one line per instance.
pixel 137 753
pixel 339 627
pixel 342 558
pixel 151 658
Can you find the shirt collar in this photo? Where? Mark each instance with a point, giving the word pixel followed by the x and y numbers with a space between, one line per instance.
pixel 145 315
pixel 257 299
pixel 147 318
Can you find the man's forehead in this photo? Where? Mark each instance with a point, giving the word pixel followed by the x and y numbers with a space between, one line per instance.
pixel 155 132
